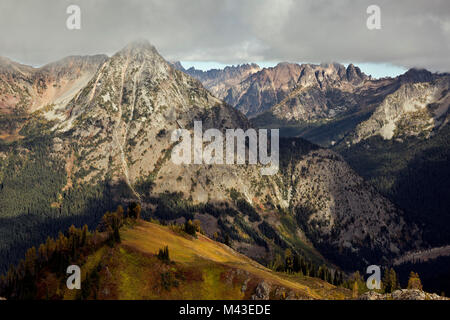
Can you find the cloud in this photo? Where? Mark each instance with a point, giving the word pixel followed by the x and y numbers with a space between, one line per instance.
pixel 414 33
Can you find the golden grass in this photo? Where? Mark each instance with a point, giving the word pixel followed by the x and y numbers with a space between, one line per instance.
pixel 212 259
pixel 199 269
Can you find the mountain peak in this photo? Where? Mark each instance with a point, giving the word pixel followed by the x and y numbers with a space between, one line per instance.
pixel 138 47
pixel 7 64
pixel 417 75
pixel 177 65
pixel 354 74
pixel 284 64
pixel 142 44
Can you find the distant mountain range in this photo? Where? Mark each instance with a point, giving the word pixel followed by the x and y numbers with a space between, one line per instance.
pixel 253 90
pixel 302 98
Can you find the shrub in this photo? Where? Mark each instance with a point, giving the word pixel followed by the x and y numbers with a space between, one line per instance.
pixel 163 254
pixel 134 211
pixel 190 228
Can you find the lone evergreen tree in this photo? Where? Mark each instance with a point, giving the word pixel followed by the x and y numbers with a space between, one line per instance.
pixel 134 210
pixel 190 228
pixel 414 281
pixel 163 254
pixel 390 281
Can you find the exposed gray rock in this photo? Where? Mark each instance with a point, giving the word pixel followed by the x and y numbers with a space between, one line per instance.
pixel 403 294
pixel 413 109
pixel 372 295
pixel 262 291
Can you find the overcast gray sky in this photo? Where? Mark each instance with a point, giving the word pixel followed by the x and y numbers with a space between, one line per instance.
pixel 415 33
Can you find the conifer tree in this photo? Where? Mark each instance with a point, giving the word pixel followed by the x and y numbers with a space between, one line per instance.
pixel 134 211
pixel 190 228
pixel 414 281
pixel 163 254
pixel 288 260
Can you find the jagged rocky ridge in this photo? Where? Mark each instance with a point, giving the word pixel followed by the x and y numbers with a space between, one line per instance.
pixel 287 83
pixel 326 103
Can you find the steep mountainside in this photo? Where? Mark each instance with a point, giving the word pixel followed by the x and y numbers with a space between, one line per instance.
pixel 413 171
pixel 324 103
pixel 403 149
pixel 146 107
pixel 112 143
pixel 25 89
pixel 329 120
pixel 414 109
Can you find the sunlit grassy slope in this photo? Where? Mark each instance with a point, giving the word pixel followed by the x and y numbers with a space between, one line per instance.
pixel 199 269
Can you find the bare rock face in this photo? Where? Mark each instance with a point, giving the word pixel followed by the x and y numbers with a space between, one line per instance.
pixel 414 109
pixel 13 77
pixel 248 87
pixel 299 88
pixel 224 83
pixel 413 104
pixel 408 294
pixel 25 89
pixel 403 294
pixel 129 109
pixel 372 295
pixel 355 106
pixel 354 74
pixel 262 90
pixel 269 291
pixel 262 291
pixel 417 75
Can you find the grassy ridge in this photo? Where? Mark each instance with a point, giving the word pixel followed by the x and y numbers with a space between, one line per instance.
pixel 200 268
pixel 128 258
